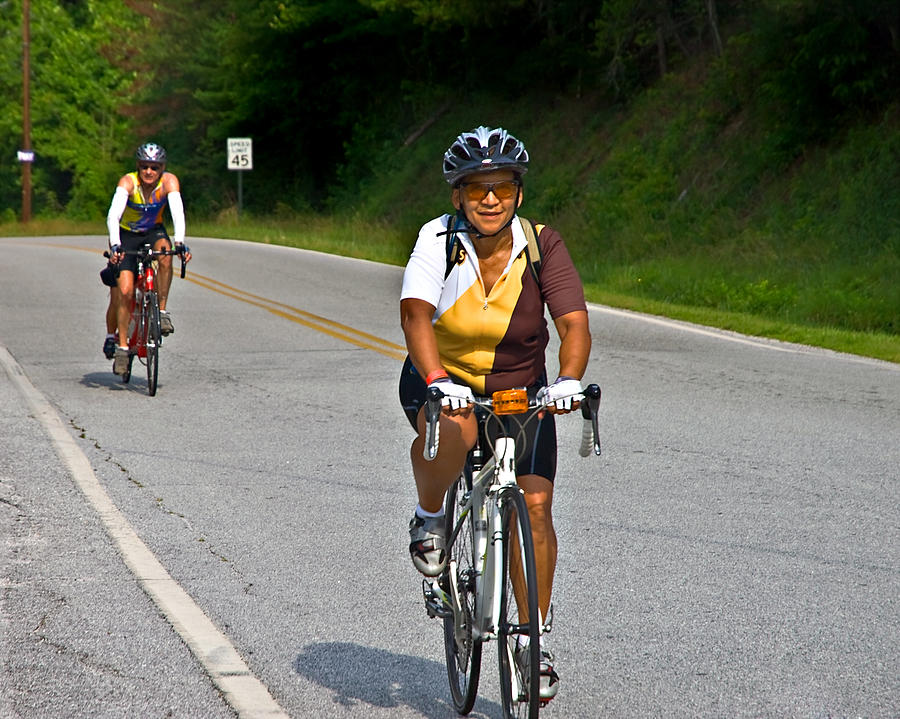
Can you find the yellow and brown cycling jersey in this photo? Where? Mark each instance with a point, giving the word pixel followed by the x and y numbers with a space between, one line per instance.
pixel 141 214
pixel 493 340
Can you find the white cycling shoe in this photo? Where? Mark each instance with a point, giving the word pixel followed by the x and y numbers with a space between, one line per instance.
pixel 428 544
pixel 549 684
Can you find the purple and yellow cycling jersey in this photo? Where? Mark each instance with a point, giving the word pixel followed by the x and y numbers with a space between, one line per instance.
pixel 141 214
pixel 493 340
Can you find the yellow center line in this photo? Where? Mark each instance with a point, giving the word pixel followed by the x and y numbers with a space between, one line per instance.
pixel 288 312
pixel 307 319
pixel 61 246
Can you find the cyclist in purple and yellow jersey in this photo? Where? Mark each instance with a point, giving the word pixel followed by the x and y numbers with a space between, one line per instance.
pixel 135 218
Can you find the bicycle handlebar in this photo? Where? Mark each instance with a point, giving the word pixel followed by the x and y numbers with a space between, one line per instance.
pixel 590 408
pixel 149 253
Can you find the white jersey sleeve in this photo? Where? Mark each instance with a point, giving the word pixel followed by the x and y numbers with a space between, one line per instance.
pixel 176 208
pixel 423 278
pixel 116 209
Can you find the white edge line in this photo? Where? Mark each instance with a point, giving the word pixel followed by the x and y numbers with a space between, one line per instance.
pixel 246 694
pixel 688 327
pixel 729 336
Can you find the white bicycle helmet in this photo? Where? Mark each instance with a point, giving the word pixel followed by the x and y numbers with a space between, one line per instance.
pixel 151 152
pixel 482 150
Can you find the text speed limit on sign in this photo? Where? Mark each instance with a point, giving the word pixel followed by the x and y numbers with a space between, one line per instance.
pixel 240 153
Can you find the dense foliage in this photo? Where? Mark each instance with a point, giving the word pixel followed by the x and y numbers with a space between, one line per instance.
pixel 81 80
pixel 323 85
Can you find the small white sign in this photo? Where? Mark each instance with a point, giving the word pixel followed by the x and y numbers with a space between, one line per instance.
pixel 26 156
pixel 240 153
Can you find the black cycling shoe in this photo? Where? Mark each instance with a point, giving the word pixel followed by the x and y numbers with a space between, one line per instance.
pixel 109 347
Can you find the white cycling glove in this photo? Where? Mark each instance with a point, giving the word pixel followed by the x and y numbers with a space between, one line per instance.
pixel 456 396
pixel 561 395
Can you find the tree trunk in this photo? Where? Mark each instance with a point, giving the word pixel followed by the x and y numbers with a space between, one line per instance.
pixel 661 44
pixel 714 25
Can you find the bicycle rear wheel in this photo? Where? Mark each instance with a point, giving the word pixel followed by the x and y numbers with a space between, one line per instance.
pixel 462 650
pixel 519 612
pixel 152 341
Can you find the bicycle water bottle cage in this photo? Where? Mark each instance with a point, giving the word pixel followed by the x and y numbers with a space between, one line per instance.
pixel 510 401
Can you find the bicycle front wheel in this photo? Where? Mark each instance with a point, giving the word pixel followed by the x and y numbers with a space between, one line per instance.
pixel 461 648
pixel 152 342
pixel 519 633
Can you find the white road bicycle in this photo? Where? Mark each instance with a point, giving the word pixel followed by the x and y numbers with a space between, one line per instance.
pixel 491 551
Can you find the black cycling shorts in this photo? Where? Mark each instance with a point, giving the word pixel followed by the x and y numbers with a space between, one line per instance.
pixel 135 240
pixel 535 443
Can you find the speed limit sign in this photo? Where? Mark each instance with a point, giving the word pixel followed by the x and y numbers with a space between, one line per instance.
pixel 240 153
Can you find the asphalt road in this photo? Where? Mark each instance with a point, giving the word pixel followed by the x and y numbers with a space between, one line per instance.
pixel 735 552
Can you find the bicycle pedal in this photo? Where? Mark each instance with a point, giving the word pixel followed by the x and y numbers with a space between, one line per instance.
pixel 548 621
pixel 438 610
pixel 434 603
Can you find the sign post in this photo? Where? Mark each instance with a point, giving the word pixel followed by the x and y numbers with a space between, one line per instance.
pixel 240 158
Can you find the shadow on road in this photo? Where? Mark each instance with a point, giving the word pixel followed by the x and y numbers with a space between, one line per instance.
pixel 384 679
pixel 109 380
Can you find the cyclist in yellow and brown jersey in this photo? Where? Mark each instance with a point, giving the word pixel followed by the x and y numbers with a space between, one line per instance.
pixel 477 325
pixel 135 218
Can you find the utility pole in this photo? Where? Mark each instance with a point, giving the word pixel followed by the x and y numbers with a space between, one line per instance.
pixel 26 155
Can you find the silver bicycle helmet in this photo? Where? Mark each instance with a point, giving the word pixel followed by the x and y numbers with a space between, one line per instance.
pixel 484 149
pixel 151 152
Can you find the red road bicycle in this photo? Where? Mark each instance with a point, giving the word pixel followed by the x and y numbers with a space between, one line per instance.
pixel 144 336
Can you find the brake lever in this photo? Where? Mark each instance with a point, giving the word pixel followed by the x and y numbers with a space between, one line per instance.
pixel 433 397
pixel 590 408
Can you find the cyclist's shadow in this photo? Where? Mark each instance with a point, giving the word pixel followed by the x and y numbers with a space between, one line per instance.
pixel 383 679
pixel 96 380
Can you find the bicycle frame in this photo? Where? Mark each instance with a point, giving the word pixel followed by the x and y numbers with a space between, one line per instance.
pixel 144 282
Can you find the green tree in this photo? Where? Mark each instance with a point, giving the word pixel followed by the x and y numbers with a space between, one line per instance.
pixel 78 85
pixel 297 77
pixel 807 68
pixel 11 97
pixel 330 89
